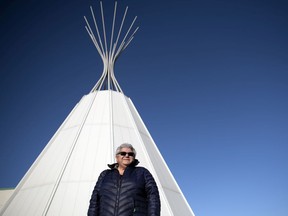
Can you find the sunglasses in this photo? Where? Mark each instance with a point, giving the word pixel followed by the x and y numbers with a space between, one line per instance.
pixel 130 154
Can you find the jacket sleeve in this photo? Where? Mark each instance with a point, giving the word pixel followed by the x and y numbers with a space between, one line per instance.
pixel 153 198
pixel 94 201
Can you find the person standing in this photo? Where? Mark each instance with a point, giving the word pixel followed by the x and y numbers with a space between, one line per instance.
pixel 125 189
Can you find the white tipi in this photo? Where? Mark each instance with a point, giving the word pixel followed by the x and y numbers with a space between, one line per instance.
pixel 62 178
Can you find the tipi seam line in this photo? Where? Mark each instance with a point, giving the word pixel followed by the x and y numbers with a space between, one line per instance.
pixel 62 171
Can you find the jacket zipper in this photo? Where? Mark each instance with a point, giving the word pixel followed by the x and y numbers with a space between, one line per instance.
pixel 119 183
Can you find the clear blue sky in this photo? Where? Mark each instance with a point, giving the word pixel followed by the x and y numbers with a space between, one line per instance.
pixel 209 78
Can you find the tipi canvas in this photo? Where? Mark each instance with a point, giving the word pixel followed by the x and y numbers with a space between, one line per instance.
pixel 62 178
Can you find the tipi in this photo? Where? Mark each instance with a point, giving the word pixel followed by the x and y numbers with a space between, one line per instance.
pixel 62 178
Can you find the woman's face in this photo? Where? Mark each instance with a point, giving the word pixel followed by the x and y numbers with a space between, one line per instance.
pixel 125 157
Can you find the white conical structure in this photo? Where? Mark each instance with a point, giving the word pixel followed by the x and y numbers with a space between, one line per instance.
pixel 61 180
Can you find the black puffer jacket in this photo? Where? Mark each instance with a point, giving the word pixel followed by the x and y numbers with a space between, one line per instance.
pixel 133 194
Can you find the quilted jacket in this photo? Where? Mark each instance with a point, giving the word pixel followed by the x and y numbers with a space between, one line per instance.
pixel 133 194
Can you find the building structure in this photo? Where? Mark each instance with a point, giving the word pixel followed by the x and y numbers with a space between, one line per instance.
pixel 61 180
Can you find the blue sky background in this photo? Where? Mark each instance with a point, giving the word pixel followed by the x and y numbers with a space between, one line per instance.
pixel 209 78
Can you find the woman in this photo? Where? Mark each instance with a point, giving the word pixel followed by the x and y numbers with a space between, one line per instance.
pixel 124 189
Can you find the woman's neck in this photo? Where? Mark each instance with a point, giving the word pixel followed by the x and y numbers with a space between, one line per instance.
pixel 121 170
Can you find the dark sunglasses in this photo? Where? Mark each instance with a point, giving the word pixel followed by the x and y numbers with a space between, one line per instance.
pixel 130 154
